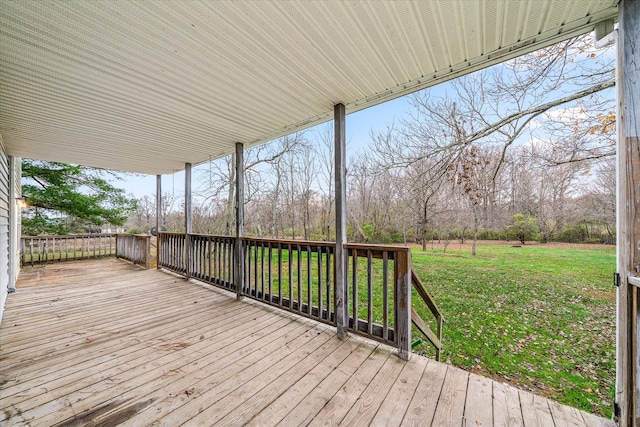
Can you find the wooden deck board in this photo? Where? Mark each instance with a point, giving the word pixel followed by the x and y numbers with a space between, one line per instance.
pixel 450 409
pixel 102 342
pixel 395 405
pixel 423 406
pixel 506 406
pixel 478 409
pixel 317 399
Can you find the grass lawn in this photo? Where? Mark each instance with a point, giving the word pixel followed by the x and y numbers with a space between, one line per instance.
pixel 541 317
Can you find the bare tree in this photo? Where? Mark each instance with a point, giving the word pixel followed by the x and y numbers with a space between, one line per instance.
pixel 219 178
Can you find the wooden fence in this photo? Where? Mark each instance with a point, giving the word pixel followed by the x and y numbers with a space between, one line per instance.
pixel 134 247
pixel 299 276
pixel 40 249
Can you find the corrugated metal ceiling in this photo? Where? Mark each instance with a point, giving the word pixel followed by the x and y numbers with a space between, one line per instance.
pixel 146 86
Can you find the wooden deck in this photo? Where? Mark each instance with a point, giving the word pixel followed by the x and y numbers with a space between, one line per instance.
pixel 107 343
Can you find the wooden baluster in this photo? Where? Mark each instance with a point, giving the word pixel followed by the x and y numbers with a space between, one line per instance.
pixel 309 281
pixel 270 266
pixel 290 277
pixel 320 286
pixel 385 295
pixel 299 276
pixel 279 274
pixel 354 289
pixel 369 293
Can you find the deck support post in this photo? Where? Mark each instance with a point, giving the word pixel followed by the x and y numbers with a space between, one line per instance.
pixel 187 219
pixel 402 302
pixel 628 150
pixel 158 217
pixel 14 214
pixel 341 295
pixel 238 273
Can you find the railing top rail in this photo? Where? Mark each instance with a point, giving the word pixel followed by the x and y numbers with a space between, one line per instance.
pixel 360 246
pixel 133 235
pixel 379 248
pixel 69 236
pixel 289 241
pixel 177 233
pixel 214 236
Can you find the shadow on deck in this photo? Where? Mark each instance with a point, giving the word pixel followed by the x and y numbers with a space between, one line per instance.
pixel 107 343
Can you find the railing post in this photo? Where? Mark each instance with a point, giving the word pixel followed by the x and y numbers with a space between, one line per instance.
pixel 159 254
pixel 402 302
pixel 238 271
pixel 147 251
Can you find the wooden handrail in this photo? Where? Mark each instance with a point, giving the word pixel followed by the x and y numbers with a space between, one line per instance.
pixel 426 296
pixel 434 338
pixel 634 280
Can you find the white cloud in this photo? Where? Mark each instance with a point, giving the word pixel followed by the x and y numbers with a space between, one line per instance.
pixel 567 114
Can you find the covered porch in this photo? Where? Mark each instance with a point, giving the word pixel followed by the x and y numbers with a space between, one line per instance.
pixel 158 87
pixel 105 342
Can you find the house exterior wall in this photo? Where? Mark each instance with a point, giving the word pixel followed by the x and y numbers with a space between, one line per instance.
pixel 4 225
pixel 15 226
pixel 9 223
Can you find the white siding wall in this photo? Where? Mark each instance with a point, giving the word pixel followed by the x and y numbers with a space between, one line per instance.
pixel 9 223
pixel 6 203
pixel 15 222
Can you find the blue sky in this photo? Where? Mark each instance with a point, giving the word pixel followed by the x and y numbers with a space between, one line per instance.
pixel 358 128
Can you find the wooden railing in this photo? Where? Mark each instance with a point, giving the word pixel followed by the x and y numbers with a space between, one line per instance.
pixel 212 260
pixel 40 249
pixel 296 276
pixel 379 293
pixel 299 276
pixel 434 338
pixel 171 252
pixel 134 247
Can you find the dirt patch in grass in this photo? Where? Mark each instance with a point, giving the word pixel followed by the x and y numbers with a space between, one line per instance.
pixel 454 245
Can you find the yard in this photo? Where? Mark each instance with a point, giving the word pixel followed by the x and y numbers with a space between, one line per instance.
pixel 540 317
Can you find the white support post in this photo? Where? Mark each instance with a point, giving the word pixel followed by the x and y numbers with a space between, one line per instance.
pixel 628 151
pixel 187 219
pixel 238 276
pixel 14 213
pixel 158 217
pixel 341 294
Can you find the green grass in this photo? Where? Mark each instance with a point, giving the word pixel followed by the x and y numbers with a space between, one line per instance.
pixel 541 318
